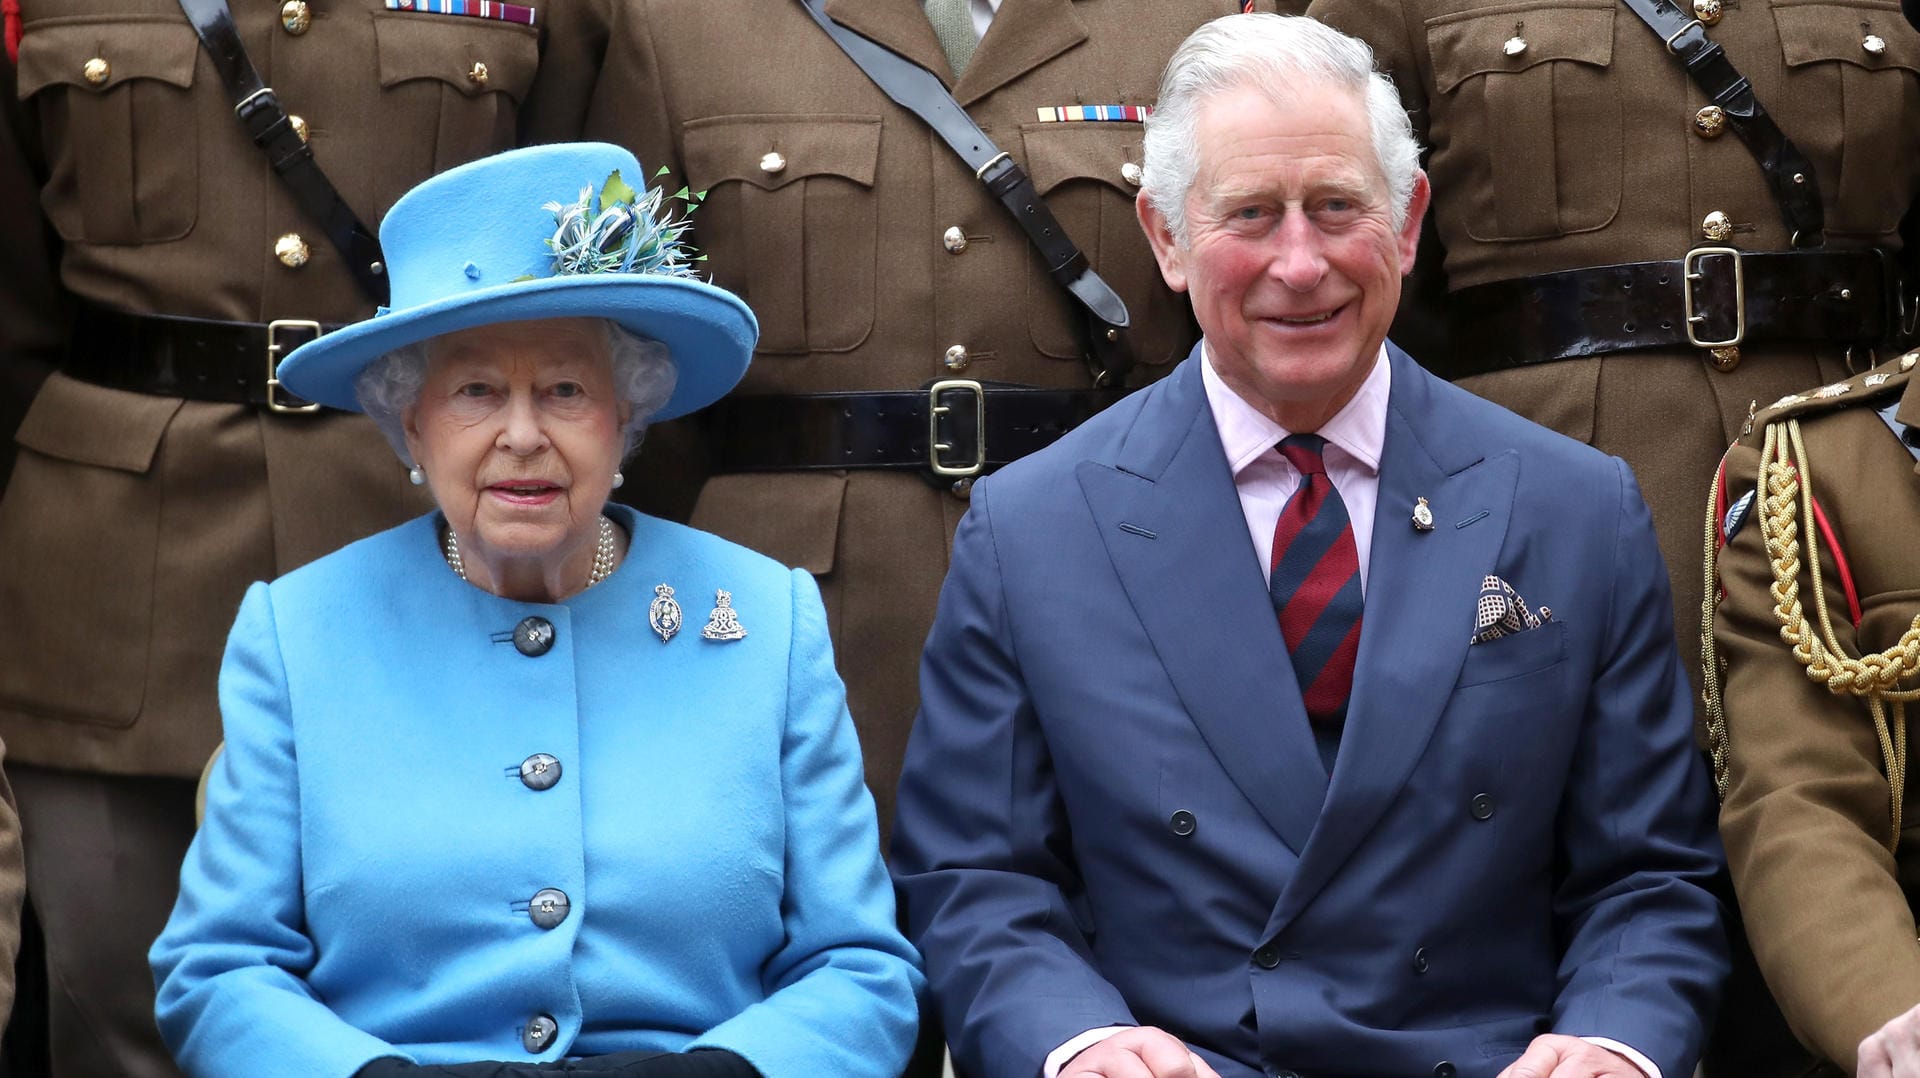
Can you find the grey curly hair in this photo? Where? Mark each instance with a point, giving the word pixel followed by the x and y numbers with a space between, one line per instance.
pixel 643 378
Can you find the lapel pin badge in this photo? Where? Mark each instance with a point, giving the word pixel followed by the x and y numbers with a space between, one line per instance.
pixel 723 623
pixel 664 613
pixel 1422 516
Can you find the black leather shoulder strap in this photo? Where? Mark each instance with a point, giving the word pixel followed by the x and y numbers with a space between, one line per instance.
pixel 919 91
pixel 1789 173
pixel 267 124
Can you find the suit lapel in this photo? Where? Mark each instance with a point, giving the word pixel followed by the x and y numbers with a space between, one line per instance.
pixel 1024 35
pixel 1421 591
pixel 900 25
pixel 1172 523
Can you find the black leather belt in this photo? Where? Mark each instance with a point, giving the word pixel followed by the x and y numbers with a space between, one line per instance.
pixel 953 429
pixel 1715 297
pixel 196 358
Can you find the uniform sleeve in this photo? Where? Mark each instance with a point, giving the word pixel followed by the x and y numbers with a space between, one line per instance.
pixel 230 968
pixel 33 307
pixel 981 847
pixel 1807 816
pixel 843 990
pixel 572 60
pixel 1644 953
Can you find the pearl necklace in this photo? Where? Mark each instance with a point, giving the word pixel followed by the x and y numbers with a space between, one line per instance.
pixel 602 554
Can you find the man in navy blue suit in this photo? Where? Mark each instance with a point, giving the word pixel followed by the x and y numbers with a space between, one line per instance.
pixel 1301 714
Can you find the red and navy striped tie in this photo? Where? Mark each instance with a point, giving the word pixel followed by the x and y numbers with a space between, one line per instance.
pixel 1315 587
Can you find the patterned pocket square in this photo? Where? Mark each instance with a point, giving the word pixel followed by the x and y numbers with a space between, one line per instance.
pixel 1502 612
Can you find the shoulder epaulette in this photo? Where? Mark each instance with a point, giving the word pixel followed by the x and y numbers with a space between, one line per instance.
pixel 1889 377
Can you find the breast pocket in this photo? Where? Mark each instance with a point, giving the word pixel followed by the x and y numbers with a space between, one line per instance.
pixel 458 80
pixel 1087 172
pixel 1853 72
pixel 1514 656
pixel 794 198
pixel 1526 130
pixel 112 97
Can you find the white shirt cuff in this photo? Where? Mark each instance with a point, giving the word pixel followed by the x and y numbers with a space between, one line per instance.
pixel 1646 1065
pixel 1059 1056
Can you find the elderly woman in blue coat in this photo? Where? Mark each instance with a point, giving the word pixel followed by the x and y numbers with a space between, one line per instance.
pixel 534 783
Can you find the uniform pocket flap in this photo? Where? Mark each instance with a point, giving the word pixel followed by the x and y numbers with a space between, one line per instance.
pixel 474 56
pixel 773 151
pixel 1818 33
pixel 89 424
pixel 791 517
pixel 1086 150
pixel 1514 38
pixel 62 52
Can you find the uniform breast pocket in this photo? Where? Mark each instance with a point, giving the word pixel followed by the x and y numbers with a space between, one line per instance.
pixel 793 211
pixel 117 117
pixel 1088 172
pixel 1853 72
pixel 451 86
pixel 1526 129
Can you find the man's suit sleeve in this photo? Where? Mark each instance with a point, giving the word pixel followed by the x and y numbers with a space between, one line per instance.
pixel 981 852
pixel 1645 951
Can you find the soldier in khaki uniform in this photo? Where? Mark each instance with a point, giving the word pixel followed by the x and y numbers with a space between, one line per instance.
pixel 153 480
pixel 877 262
pixel 1821 816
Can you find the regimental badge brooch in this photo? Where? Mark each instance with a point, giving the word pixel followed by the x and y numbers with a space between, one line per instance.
pixel 723 623
pixel 1422 516
pixel 664 613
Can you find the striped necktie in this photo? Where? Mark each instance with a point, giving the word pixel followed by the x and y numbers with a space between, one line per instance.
pixel 1315 587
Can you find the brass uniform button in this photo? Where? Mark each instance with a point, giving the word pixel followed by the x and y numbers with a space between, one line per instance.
pixel 1710 121
pixel 291 250
pixel 299 127
pixel 97 71
pixel 1707 11
pixel 962 488
pixel 1514 46
pixel 1717 227
pixel 1724 359
pixel 477 74
pixel 296 16
pixel 773 164
pixel 957 358
pixel 954 240
pixel 1131 173
pixel 1874 44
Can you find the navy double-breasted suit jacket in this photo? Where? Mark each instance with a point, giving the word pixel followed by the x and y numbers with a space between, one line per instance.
pixel 1114 812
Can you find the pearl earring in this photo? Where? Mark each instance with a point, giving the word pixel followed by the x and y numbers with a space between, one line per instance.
pixel 417 475
pixel 619 477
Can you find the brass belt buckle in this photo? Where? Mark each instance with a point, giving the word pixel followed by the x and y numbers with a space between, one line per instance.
pixel 935 410
pixel 288 404
pixel 1694 318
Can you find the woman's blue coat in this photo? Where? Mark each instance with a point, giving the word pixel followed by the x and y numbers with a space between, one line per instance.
pixel 361 885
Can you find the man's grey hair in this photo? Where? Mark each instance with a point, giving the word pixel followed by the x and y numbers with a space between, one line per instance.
pixel 1273 53
pixel 643 378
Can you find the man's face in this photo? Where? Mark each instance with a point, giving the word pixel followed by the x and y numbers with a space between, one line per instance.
pixel 1292 260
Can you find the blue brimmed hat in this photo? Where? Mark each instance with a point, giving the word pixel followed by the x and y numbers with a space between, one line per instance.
pixel 562 231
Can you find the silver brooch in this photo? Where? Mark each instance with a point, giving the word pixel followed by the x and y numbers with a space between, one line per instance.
pixel 723 623
pixel 664 613
pixel 1422 516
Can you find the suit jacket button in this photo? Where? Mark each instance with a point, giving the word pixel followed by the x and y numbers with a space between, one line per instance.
pixel 1267 957
pixel 1181 823
pixel 533 637
pixel 540 1033
pixel 1481 806
pixel 1420 960
pixel 1286 1074
pixel 549 907
pixel 539 771
pixel 1444 1069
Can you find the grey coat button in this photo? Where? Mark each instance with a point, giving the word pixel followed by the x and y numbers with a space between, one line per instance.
pixel 1267 956
pixel 1481 806
pixel 539 771
pixel 549 907
pixel 1420 964
pixel 1444 1069
pixel 533 636
pixel 540 1033
pixel 1181 823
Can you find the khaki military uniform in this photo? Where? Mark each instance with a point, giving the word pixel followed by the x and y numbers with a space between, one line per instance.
pixel 1808 816
pixel 133 523
pixel 876 261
